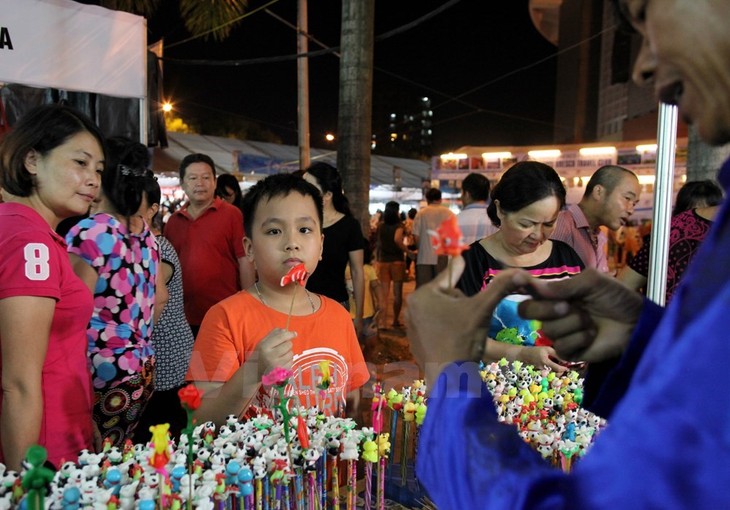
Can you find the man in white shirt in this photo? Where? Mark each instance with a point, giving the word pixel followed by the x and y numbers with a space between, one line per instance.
pixel 428 264
pixel 473 220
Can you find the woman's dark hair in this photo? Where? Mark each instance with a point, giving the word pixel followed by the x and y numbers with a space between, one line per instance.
pixel 151 188
pixel 412 212
pixel 329 179
pixel 123 180
pixel 224 181
pixel 524 183
pixel 390 214
pixel 697 194
pixel 42 129
pixel 153 194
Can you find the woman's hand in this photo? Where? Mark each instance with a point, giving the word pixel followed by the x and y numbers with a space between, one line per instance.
pixel 445 326
pixel 540 356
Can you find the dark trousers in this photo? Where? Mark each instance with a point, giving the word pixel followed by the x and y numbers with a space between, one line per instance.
pixel 427 272
pixel 163 407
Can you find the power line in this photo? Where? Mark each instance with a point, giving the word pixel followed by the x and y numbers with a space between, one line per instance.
pixel 403 28
pixel 230 22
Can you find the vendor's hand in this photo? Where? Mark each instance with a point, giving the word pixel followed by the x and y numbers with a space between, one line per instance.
pixel 275 350
pixel 589 317
pixel 540 356
pixel 444 325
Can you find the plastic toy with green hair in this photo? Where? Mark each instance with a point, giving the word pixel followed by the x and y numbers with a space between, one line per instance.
pixel 37 478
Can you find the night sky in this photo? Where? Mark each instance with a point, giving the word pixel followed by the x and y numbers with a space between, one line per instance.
pixel 472 44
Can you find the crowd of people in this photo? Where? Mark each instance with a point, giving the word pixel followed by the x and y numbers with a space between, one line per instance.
pixel 666 443
pixel 100 329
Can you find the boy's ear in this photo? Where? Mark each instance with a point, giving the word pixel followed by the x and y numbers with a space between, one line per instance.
pixel 248 248
pixel 321 247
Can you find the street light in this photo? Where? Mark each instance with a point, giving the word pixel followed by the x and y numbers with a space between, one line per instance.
pixel 329 137
pixel 167 107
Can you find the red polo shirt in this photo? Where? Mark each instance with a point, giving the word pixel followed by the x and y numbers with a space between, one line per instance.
pixel 208 247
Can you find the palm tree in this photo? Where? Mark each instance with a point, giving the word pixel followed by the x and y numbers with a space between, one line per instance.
pixel 356 99
pixel 211 18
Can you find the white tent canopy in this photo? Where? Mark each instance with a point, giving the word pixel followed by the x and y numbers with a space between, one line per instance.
pixel 70 46
pixel 384 170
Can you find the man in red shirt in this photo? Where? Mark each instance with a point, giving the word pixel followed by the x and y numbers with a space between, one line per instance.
pixel 207 234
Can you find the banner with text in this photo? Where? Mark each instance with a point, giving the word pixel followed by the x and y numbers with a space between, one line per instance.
pixel 70 46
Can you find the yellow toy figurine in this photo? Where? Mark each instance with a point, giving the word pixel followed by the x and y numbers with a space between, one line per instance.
pixel 160 446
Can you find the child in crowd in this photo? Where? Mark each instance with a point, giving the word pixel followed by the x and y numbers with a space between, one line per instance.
pixel 245 336
pixel 371 307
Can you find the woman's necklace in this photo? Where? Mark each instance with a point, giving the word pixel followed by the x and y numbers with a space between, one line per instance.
pixel 261 298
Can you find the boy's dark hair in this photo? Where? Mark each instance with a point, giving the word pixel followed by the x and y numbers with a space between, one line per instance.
pixel 477 185
pixel 42 129
pixel 278 185
pixel 523 184
pixel 195 158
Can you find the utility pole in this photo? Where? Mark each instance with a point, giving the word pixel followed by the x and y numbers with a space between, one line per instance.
pixel 303 85
pixel 356 100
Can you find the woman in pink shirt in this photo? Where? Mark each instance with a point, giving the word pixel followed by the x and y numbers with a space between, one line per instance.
pixel 49 170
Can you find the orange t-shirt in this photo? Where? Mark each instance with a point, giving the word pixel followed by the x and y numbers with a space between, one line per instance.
pixel 232 328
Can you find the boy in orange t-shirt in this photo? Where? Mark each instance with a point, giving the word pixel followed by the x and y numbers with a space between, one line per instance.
pixel 244 336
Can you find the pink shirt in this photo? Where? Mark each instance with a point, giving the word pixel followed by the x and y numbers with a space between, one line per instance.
pixel 34 262
pixel 572 228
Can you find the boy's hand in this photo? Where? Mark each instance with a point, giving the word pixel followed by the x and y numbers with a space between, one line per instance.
pixel 275 350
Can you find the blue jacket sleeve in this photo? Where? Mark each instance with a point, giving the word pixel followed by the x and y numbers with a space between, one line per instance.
pixel 467 459
pixel 611 385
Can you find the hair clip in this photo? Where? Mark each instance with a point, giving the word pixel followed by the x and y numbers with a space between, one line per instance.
pixel 128 171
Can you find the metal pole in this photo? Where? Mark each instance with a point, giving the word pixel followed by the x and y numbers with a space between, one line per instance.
pixel 143 111
pixel 663 186
pixel 303 85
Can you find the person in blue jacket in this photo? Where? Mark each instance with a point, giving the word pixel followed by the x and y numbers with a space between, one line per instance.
pixel 668 440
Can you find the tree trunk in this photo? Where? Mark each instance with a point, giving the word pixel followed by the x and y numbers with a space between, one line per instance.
pixel 703 161
pixel 355 109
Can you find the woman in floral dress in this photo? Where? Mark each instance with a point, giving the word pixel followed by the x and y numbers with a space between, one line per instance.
pixel 115 254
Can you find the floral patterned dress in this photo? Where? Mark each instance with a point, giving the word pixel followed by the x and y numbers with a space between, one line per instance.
pixel 121 358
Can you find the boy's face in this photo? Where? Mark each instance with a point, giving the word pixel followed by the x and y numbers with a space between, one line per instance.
pixel 286 231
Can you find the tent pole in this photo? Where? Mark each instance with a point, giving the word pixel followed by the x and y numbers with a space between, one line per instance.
pixel 663 187
pixel 143 108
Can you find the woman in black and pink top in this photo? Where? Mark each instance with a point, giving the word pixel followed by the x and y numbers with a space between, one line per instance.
pixel 525 204
pixel 687 231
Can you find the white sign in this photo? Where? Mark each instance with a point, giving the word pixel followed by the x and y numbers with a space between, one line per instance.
pixel 70 46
